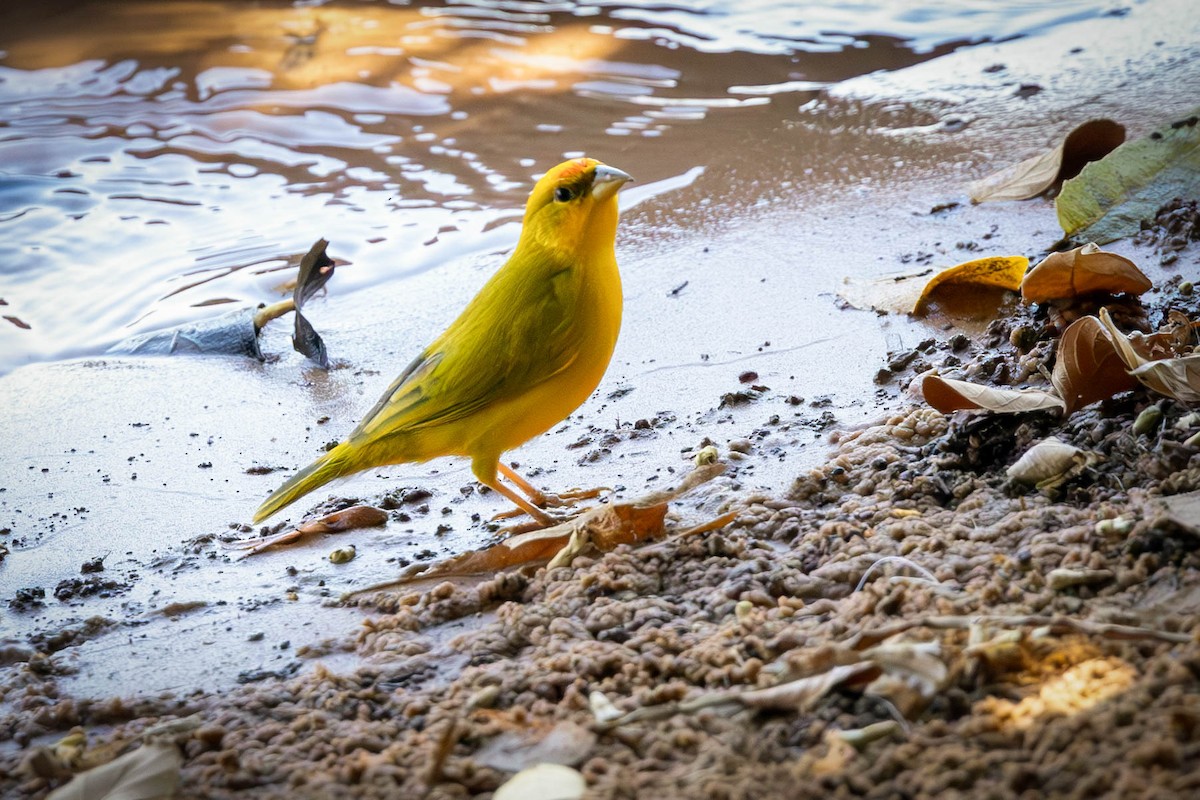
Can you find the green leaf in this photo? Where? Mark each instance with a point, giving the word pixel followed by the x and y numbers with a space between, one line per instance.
pixel 1110 197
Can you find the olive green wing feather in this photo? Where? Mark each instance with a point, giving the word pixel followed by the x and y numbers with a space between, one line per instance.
pixel 520 330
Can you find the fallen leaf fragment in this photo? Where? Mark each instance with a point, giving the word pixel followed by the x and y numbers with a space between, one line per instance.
pixel 600 528
pixel 338 522
pixel 889 294
pixel 917 663
pixel 1000 272
pixel 1177 377
pixel 1088 368
pixel 948 394
pixel 147 773
pixel 1047 459
pixel 1088 142
pixel 1111 197
pixel 1084 270
pixel 1184 510
pixel 543 782
pixel 525 746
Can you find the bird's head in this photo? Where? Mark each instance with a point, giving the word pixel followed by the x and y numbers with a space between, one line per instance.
pixel 574 205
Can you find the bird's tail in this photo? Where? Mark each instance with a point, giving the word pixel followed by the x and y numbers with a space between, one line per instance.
pixel 331 466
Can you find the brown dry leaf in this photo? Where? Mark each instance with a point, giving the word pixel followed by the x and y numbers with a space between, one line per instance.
pixel 1090 141
pixel 998 272
pixel 347 519
pixel 1086 269
pixel 947 394
pixel 1088 368
pixel 1184 510
pixel 602 528
pixel 802 694
pixel 530 743
pixel 1178 378
pixel 150 772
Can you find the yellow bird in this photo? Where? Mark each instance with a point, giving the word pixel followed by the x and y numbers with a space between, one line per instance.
pixel 524 353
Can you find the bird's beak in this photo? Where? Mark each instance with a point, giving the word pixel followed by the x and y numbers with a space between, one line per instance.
pixel 606 182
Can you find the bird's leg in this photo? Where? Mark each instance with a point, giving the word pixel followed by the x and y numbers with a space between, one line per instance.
pixel 529 508
pixel 542 499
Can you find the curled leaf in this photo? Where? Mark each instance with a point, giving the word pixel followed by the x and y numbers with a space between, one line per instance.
pixel 1088 368
pixel 1178 378
pixel 947 394
pixel 1090 141
pixel 1001 272
pixel 1086 269
pixel 1047 459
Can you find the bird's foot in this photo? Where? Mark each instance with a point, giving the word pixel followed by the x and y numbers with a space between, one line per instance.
pixel 568 498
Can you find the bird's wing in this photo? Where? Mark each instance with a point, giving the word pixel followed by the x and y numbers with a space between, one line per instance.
pixel 520 330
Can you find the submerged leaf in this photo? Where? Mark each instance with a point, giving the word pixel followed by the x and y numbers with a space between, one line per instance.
pixel 147 773
pixel 1111 197
pixel 1088 142
pixel 1086 269
pixel 1002 272
pixel 1088 368
pixel 947 394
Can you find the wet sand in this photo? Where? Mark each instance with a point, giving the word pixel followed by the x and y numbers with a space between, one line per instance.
pixel 299 697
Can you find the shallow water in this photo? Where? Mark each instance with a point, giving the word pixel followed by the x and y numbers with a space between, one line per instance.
pixel 159 159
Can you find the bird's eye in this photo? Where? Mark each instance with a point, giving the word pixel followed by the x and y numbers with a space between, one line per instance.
pixel 562 194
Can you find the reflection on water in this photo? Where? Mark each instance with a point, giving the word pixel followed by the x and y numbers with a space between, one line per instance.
pixel 157 158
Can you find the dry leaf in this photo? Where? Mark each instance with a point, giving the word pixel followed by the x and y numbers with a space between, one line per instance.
pixel 889 294
pixel 802 694
pixel 947 394
pixel 147 773
pixel 338 522
pixel 529 743
pixel 1090 141
pixel 1184 510
pixel 1000 272
pixel 1047 459
pixel 543 782
pixel 1088 368
pixel 1178 378
pixel 917 663
pixel 601 528
pixel 1086 269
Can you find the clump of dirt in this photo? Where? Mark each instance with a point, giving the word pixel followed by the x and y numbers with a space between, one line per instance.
pixel 1175 226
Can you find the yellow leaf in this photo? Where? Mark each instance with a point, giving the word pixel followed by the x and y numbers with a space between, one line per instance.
pixel 1002 272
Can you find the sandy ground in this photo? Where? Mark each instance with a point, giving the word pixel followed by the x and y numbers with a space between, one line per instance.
pixel 1003 678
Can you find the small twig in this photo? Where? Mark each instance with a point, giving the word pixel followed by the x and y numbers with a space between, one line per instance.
pixel 865 639
pixel 926 574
